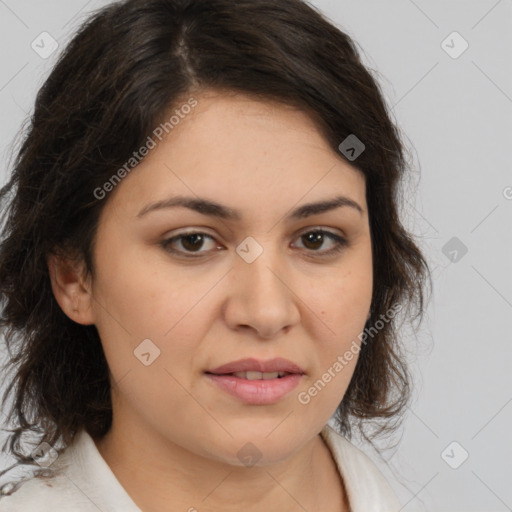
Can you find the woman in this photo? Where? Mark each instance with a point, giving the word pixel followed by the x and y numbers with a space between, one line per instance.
pixel 201 264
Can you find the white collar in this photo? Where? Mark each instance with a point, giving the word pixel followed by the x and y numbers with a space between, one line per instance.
pixel 87 481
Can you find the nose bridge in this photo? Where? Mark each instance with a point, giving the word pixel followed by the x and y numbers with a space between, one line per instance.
pixel 257 266
pixel 260 298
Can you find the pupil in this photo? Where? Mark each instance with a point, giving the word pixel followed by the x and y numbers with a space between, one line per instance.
pixel 197 241
pixel 315 238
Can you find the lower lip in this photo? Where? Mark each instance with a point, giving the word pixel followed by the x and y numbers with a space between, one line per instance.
pixel 257 392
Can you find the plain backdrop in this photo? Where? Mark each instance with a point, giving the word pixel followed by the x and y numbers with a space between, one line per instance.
pixel 446 70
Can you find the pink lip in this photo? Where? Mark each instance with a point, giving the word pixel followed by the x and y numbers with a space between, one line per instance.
pixel 257 392
pixel 254 365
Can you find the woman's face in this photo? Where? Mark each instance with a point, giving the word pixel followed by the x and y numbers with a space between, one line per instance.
pixel 258 283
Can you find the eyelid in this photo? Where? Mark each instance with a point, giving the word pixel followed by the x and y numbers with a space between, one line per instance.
pixel 299 232
pixel 325 229
pixel 340 241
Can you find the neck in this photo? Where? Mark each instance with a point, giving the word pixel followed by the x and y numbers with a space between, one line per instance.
pixel 160 475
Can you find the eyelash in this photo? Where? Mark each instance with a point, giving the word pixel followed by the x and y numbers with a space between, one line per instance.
pixel 341 243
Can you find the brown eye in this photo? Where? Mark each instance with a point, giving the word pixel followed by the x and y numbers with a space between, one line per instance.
pixel 313 240
pixel 190 242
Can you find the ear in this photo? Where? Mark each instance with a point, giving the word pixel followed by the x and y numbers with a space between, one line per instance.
pixel 73 295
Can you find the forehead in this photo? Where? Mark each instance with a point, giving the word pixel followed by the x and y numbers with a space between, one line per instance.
pixel 243 153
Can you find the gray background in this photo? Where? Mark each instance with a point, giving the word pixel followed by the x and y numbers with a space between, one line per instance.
pixel 456 115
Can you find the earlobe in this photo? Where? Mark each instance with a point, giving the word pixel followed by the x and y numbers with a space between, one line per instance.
pixel 69 290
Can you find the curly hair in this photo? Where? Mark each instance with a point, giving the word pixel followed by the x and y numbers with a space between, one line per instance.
pixel 127 65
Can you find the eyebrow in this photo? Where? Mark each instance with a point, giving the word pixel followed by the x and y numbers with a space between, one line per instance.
pixel 213 209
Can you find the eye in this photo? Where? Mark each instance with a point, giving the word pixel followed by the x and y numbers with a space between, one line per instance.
pixel 191 242
pixel 317 237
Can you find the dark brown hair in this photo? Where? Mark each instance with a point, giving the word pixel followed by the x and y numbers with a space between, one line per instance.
pixel 128 65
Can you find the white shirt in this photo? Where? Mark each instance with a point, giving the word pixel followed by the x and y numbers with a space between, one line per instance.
pixel 87 484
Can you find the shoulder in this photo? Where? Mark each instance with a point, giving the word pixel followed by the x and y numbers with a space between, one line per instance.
pixel 41 494
pixel 47 490
pixel 366 486
pixel 78 480
pixel 50 488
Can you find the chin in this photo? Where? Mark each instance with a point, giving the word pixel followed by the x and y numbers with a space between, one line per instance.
pixel 257 448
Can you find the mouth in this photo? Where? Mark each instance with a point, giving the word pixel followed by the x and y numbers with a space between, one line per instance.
pixel 253 375
pixel 257 382
pixel 253 367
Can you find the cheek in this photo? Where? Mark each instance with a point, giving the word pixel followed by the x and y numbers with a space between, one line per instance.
pixel 147 297
pixel 135 302
pixel 343 307
pixel 342 303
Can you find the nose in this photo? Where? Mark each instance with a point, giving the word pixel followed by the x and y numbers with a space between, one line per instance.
pixel 261 296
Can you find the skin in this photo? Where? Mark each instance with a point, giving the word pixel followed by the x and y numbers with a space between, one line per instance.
pixel 175 436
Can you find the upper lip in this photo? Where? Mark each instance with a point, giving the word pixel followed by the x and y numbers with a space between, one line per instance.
pixel 255 365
